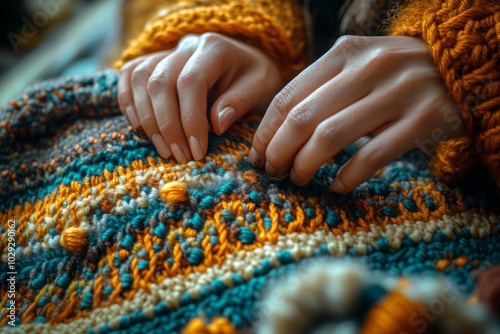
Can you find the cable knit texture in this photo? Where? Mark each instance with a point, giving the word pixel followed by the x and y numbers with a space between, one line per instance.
pixel 276 27
pixel 463 38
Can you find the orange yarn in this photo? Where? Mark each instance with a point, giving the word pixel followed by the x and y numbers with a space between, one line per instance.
pixel 463 39
pixel 217 326
pixel 174 192
pixel 392 315
pixel 73 239
pixel 277 28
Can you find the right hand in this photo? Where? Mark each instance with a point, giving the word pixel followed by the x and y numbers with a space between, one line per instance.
pixel 168 93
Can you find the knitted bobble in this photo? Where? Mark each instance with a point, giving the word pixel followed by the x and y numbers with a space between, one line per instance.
pixel 74 239
pixel 217 326
pixel 174 192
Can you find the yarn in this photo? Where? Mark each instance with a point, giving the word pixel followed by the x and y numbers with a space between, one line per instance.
pixel 463 39
pixel 111 237
pixel 217 326
pixel 73 239
pixel 332 295
pixel 174 192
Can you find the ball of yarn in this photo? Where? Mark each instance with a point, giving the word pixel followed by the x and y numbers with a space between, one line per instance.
pixel 74 239
pixel 174 192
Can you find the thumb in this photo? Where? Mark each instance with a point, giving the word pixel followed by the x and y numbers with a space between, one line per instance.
pixel 243 96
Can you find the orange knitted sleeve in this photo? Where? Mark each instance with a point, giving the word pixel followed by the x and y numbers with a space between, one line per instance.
pixel 275 26
pixel 463 37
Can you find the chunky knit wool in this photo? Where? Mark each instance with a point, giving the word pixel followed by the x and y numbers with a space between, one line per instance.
pixel 113 238
pixel 276 27
pixel 463 37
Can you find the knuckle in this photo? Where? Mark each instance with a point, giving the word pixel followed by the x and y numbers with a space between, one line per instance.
pixel 283 101
pixel 188 78
pixel 188 40
pixel 299 117
pixel 327 133
pixel 166 127
pixel 346 43
pixel 140 74
pixel 191 119
pixel 242 100
pixel 147 121
pixel 211 37
pixel 157 83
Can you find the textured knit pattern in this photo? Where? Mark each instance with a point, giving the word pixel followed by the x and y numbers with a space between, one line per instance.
pixel 110 236
pixel 275 27
pixel 463 37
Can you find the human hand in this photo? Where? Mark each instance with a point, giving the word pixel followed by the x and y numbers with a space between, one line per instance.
pixel 385 86
pixel 167 93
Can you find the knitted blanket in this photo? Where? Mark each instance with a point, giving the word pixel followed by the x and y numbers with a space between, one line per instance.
pixel 100 234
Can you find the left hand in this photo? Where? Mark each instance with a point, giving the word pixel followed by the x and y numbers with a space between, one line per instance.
pixel 386 86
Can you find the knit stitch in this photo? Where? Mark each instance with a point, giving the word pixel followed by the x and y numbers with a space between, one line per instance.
pixel 464 40
pixel 111 237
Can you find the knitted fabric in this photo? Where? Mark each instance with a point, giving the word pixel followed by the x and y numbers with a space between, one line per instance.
pixel 111 237
pixel 276 27
pixel 464 40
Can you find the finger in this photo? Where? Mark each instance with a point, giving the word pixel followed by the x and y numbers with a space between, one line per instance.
pixel 251 92
pixel 206 66
pixel 375 154
pixel 324 69
pixel 336 132
pixel 125 94
pixel 139 80
pixel 162 89
pixel 301 122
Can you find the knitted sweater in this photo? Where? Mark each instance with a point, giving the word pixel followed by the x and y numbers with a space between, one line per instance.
pixel 462 36
pixel 99 234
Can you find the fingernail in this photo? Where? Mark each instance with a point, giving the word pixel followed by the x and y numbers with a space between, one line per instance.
pixel 226 118
pixel 270 170
pixel 294 177
pixel 337 187
pixel 132 116
pixel 253 158
pixel 160 145
pixel 195 147
pixel 178 154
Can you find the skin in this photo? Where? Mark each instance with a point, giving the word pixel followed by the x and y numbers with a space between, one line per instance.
pixel 166 94
pixel 384 86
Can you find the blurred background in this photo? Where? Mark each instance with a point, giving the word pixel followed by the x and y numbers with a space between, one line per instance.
pixel 42 39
